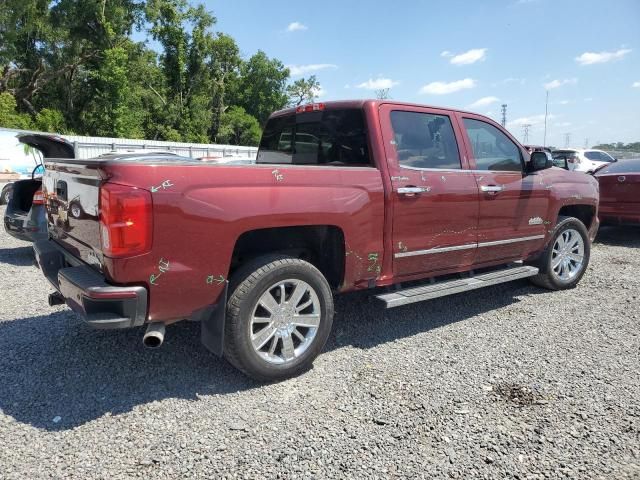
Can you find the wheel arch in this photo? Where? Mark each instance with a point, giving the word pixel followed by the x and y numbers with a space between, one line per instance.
pixel 583 212
pixel 321 245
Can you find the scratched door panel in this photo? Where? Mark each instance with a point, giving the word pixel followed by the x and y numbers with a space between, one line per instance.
pixel 517 212
pixel 434 195
pixel 513 205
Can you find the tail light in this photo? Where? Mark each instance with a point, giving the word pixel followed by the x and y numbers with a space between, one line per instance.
pixel 38 198
pixel 125 220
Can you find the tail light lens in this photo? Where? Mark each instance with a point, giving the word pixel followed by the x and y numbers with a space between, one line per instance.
pixel 38 198
pixel 125 220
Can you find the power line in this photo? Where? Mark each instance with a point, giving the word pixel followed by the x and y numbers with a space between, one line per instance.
pixel 525 133
pixel 504 114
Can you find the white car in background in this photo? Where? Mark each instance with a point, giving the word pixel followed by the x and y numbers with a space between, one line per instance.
pixel 583 160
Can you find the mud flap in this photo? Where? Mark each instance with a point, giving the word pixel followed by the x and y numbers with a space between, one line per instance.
pixel 212 324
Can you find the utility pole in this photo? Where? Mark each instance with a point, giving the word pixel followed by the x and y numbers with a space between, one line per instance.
pixel 504 115
pixel 567 140
pixel 525 134
pixel 546 111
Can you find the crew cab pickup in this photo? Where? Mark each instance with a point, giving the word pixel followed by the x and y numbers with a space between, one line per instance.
pixel 345 196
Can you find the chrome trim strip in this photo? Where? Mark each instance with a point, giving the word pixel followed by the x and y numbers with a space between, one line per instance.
pixel 467 246
pixel 511 240
pixel 435 250
pixel 458 170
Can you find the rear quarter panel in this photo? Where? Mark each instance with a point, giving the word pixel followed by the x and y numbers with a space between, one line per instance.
pixel 201 210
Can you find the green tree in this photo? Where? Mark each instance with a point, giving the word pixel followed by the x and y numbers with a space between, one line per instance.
pixel 49 120
pixel 239 128
pixel 303 91
pixel 262 86
pixel 225 65
pixel 113 111
pixel 9 116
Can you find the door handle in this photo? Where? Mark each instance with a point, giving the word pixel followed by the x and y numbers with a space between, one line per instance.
pixel 622 179
pixel 411 191
pixel 491 188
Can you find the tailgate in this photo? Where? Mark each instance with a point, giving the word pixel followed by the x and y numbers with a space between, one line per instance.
pixel 71 190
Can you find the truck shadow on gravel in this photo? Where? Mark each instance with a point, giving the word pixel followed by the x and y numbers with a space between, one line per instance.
pixel 57 374
pixel 619 236
pixel 18 256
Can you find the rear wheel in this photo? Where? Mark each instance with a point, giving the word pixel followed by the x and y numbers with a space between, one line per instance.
pixel 566 257
pixel 5 197
pixel 279 317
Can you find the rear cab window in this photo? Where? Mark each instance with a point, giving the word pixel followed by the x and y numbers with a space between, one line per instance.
pixel 332 137
pixel 424 140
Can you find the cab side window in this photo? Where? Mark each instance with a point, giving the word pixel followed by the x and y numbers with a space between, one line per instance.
pixel 424 140
pixel 492 149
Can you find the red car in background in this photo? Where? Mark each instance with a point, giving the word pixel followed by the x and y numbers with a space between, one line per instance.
pixel 620 192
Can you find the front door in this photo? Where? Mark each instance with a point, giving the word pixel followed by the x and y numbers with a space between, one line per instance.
pixel 434 197
pixel 513 206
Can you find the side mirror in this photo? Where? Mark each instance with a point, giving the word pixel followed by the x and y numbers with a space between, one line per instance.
pixel 539 161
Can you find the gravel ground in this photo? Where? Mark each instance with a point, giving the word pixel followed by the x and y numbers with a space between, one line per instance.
pixel 507 382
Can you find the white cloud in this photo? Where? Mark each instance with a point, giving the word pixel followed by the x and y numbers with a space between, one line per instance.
pixel 562 124
pixel 635 84
pixel 531 120
pixel 588 99
pixel 299 70
pixel 483 102
pixel 467 58
pixel 559 83
pixel 442 88
pixel 296 26
pixel 446 53
pixel 590 58
pixel 564 102
pixel 378 84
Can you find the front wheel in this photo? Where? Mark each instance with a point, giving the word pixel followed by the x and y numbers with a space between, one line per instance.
pixel 279 317
pixel 566 257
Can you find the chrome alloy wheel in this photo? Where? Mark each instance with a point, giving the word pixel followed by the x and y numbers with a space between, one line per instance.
pixel 285 321
pixel 567 257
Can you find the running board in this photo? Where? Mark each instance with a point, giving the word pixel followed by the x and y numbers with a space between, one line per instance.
pixel 449 287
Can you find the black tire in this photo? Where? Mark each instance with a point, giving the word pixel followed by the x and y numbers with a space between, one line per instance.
pixel 546 278
pixel 247 286
pixel 6 194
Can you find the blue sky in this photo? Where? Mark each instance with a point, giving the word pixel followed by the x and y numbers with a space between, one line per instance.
pixel 465 54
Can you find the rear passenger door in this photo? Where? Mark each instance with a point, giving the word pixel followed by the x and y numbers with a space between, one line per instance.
pixel 434 196
pixel 513 205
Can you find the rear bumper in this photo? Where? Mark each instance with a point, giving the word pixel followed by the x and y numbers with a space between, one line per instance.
pixel 87 293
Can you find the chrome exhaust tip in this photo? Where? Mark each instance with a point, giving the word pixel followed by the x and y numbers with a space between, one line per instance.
pixel 154 336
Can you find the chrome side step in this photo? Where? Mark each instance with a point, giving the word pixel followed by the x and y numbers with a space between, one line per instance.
pixel 449 287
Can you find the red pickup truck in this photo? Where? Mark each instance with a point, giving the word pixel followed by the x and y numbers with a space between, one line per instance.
pixel 344 196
